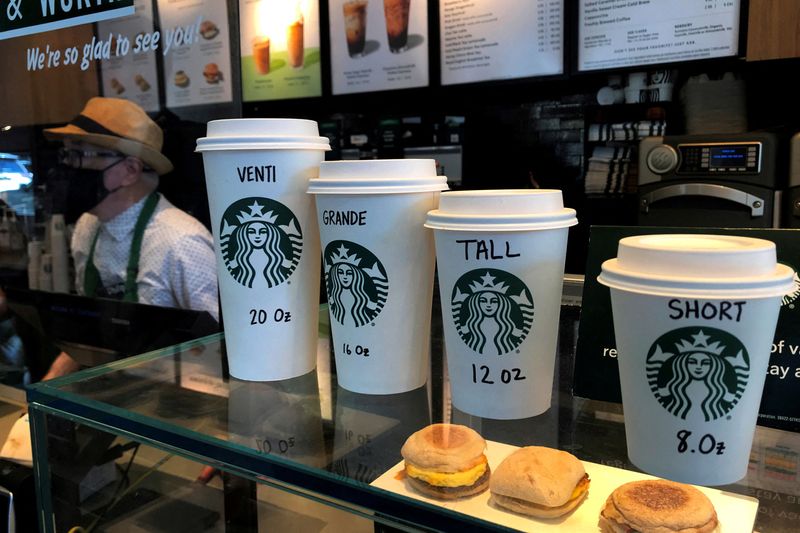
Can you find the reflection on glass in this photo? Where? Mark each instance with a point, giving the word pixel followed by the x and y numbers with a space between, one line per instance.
pixel 371 429
pixel 279 418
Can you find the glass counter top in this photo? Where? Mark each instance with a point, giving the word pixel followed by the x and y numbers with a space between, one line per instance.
pixel 309 436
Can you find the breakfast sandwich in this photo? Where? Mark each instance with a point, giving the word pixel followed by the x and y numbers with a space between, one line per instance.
pixel 446 461
pixel 181 79
pixel 117 86
pixel 208 30
pixel 141 83
pixel 541 482
pixel 212 74
pixel 658 506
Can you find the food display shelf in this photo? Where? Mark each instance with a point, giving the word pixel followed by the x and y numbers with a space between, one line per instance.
pixel 312 438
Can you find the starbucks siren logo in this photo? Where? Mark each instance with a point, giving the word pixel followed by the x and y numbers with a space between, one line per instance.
pixel 356 281
pixel 790 297
pixel 698 368
pixel 492 309
pixel 261 242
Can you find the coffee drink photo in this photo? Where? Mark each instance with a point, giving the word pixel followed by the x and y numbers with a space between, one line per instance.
pixel 355 26
pixel 396 12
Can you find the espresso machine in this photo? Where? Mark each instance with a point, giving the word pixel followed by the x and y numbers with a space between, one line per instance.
pixel 730 181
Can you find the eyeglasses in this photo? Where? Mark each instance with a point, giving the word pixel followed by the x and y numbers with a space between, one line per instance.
pixel 74 157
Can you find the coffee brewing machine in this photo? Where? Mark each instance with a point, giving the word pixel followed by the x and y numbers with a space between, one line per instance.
pixel 730 181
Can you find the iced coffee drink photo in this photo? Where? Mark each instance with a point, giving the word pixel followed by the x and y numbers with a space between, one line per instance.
pixel 396 12
pixel 355 26
pixel 294 43
pixel 261 54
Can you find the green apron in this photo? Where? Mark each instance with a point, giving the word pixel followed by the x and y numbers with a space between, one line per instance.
pixel 92 283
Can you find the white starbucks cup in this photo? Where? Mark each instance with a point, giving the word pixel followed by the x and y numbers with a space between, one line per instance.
pixel 378 263
pixel 267 242
pixel 694 320
pixel 501 267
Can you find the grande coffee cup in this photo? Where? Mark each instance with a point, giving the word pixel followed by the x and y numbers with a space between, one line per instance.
pixel 378 263
pixel 694 321
pixel 501 259
pixel 267 242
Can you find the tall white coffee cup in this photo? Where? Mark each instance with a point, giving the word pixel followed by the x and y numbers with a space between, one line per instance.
pixel 501 267
pixel 378 262
pixel 694 320
pixel 267 242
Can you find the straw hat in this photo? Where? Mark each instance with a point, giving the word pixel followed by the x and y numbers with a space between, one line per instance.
pixel 120 125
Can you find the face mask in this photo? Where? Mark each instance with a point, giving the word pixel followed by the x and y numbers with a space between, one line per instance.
pixel 82 189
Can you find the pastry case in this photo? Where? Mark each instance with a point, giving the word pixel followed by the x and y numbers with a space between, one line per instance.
pixel 131 445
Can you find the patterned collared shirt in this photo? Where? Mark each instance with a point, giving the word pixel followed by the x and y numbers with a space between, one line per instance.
pixel 177 267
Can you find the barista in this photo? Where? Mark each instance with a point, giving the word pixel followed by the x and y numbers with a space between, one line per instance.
pixel 130 243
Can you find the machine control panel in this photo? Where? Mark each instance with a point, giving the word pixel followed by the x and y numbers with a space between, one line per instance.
pixel 719 159
pixel 746 158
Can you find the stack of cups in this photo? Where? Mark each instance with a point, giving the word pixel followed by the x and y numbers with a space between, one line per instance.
pixel 265 230
pixel 378 262
pixel 694 319
pixel 501 267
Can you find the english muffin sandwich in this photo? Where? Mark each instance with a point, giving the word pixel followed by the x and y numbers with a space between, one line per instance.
pixel 446 461
pixel 181 79
pixel 208 30
pixel 658 506
pixel 212 74
pixel 540 482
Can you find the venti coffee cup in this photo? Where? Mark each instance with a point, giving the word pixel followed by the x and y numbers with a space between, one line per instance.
pixel 378 263
pixel 694 320
pixel 501 266
pixel 267 242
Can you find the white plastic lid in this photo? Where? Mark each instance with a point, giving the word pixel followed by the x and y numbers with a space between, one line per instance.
pixel 712 266
pixel 501 210
pixel 377 176
pixel 262 134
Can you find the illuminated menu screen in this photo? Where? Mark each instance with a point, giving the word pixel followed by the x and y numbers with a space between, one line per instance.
pixel 489 40
pixel 279 49
pixel 627 33
pixel 377 45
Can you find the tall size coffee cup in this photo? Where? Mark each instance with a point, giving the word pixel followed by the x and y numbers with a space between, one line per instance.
pixel 378 262
pixel 694 320
pixel 501 267
pixel 267 242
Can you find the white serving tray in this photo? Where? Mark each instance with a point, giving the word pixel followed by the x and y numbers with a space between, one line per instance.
pixel 736 513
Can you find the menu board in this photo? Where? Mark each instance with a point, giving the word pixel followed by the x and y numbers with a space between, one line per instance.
pixel 378 45
pixel 625 33
pixel 280 49
pixel 486 40
pixel 196 48
pixel 133 76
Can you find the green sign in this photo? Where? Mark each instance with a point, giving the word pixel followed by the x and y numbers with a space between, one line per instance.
pixel 19 18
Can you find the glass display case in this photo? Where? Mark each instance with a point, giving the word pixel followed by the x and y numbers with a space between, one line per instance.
pixel 103 436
